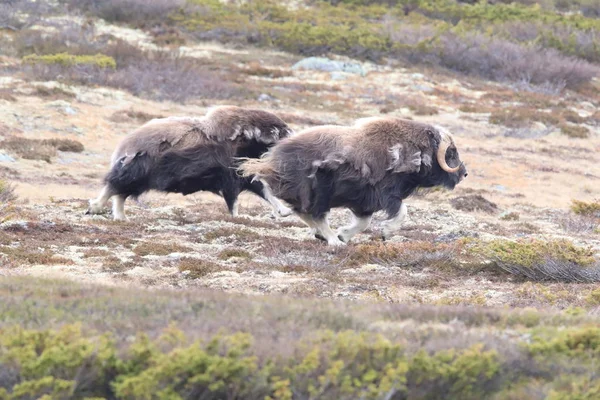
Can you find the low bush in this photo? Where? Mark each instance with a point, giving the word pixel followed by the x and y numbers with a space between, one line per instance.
pixel 69 60
pixel 575 131
pixel 414 254
pixel 141 13
pixel 72 363
pixel 7 192
pixel 197 268
pixel 159 249
pixel 370 30
pixel 558 260
pixel 158 76
pixel 586 208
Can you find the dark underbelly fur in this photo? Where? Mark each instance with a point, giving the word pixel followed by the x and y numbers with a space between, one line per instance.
pixel 363 199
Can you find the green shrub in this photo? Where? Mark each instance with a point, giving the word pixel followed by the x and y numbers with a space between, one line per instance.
pixel 582 342
pixel 528 253
pixel 585 208
pixel 69 60
pixel 558 260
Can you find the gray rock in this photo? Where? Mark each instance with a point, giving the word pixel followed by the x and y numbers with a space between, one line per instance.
pixel 328 65
pixel 265 97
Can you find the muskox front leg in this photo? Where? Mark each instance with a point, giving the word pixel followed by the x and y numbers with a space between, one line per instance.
pixel 394 222
pixel 359 223
pixel 321 227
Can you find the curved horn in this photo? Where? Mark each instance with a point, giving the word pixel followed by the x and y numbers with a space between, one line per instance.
pixel 441 153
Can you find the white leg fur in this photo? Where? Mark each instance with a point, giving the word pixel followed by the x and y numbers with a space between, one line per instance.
pixel 359 224
pixel 329 235
pixel 277 205
pixel 393 224
pixel 235 209
pixel 308 220
pixel 118 208
pixel 98 204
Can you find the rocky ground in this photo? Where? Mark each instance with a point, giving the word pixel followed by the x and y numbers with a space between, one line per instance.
pixel 521 184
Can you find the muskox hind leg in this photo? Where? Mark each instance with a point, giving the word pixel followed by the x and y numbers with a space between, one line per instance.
pixel 230 194
pixel 264 191
pixel 118 208
pixel 393 224
pixel 97 205
pixel 359 223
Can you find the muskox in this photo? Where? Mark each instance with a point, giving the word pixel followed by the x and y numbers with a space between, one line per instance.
pixel 368 167
pixel 186 155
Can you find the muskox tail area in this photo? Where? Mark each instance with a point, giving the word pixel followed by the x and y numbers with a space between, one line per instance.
pixel 257 167
pixel 130 175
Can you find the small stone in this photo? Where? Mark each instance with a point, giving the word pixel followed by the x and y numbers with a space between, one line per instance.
pixel 422 88
pixel 265 97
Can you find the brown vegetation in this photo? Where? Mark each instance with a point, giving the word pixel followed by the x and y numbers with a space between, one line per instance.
pixel 40 149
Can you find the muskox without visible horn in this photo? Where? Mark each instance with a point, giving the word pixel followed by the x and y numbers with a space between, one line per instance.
pixel 370 166
pixel 186 155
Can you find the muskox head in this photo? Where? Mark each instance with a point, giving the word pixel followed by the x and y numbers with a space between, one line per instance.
pixel 447 169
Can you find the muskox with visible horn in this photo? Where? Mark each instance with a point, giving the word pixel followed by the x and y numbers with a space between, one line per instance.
pixel 371 166
pixel 186 155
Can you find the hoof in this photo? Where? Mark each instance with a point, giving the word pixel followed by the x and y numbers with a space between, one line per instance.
pixel 285 212
pixel 320 237
pixel 342 239
pixel 87 212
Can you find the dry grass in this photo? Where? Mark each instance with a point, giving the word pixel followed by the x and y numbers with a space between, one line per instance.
pixel 197 268
pixel 23 254
pixel 53 93
pixel 519 117
pixel 256 69
pixel 96 253
pixel 7 192
pixel 574 131
pixel 241 234
pixel 132 115
pixel 234 253
pixel 159 249
pixel 116 265
pixel 29 149
pixel 68 145
pixel 40 149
